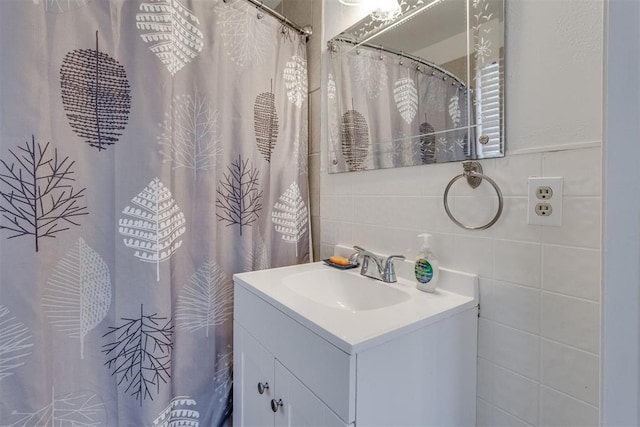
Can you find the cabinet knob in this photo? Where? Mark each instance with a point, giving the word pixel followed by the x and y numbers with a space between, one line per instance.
pixel 275 404
pixel 262 387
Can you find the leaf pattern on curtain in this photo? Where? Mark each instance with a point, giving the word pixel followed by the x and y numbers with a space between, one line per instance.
pixel 79 409
pixel 37 197
pixel 461 146
pixel 95 95
pixel 247 39
pixel 172 31
pixel 154 225
pixel 333 120
pixel 331 87
pixel 206 300
pixel 79 294
pixel 191 137
pixel 405 95
pixel 178 413
pixel 16 343
pixel 301 149
pixel 139 353
pixel 295 80
pixel 437 99
pixel 454 109
pixel 265 123
pixel 369 73
pixel 354 132
pixel 61 6
pixel 405 150
pixel 238 197
pixel 222 377
pixel 257 257
pixel 427 143
pixel 290 215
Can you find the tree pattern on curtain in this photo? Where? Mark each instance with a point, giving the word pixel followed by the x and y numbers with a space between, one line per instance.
pixel 157 165
pixel 38 198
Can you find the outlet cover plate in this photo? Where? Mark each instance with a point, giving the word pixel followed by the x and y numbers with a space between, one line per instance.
pixel 555 201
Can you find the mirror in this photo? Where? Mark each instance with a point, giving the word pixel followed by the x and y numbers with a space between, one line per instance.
pixel 426 86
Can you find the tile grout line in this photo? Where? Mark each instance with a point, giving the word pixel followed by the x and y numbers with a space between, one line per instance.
pixel 540 311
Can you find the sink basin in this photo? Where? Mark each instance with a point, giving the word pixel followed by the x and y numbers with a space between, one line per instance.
pixel 354 312
pixel 345 290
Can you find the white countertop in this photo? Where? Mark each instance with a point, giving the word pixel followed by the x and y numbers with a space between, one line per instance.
pixel 353 331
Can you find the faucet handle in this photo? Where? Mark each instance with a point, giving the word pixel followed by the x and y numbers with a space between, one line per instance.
pixel 389 274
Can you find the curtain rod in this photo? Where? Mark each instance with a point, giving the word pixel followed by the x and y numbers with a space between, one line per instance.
pixel 398 53
pixel 305 31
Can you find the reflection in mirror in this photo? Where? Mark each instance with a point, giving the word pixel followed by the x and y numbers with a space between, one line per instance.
pixel 424 88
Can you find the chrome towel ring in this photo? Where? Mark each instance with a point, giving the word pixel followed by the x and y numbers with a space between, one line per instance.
pixel 473 174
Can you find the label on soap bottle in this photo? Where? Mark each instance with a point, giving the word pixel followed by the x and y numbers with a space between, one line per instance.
pixel 423 270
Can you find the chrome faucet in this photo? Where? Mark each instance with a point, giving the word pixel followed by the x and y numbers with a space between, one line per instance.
pixel 353 258
pixel 384 269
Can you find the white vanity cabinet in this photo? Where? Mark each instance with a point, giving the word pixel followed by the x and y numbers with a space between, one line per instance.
pixel 266 394
pixel 330 368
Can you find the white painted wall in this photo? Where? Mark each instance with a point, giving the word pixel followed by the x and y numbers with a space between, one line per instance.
pixel 539 337
pixel 447 50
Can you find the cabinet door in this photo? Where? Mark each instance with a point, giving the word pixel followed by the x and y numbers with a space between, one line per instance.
pixel 300 407
pixel 253 365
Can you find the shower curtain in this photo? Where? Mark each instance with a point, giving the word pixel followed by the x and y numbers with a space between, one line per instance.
pixel 387 110
pixel 149 150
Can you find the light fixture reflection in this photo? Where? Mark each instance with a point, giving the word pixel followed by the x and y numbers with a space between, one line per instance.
pixel 351 2
pixel 387 10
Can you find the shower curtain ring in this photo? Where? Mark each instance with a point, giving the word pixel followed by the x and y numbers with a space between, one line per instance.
pixel 401 57
pixel 260 15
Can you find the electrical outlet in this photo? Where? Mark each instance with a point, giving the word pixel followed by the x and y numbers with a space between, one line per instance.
pixel 544 192
pixel 543 209
pixel 545 201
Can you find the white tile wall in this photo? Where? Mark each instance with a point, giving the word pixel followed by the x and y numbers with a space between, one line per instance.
pixel 515 306
pixel 484 382
pixel 568 370
pixel 485 338
pixel 561 410
pixel 539 327
pixel 538 338
pixel 503 419
pixel 516 350
pixel 571 321
pixel 580 224
pixel 511 224
pixel 484 415
pixel 516 395
pixel 582 174
pixel 571 271
pixel 518 262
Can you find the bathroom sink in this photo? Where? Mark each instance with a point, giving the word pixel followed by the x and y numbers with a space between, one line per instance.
pixel 345 290
pixel 354 312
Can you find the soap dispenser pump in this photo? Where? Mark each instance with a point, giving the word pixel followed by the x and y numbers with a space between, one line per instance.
pixel 427 270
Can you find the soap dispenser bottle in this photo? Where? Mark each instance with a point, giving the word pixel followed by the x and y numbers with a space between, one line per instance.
pixel 427 270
